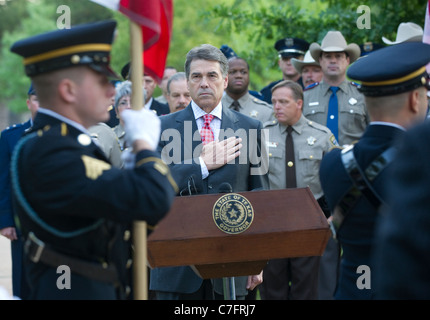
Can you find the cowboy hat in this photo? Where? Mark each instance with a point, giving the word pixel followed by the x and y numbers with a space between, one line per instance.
pixel 335 42
pixel 307 61
pixel 407 31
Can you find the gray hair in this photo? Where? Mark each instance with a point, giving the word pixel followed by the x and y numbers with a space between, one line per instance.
pixel 206 52
pixel 176 77
pixel 124 89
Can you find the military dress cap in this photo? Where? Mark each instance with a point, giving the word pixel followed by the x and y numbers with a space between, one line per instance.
pixel 307 61
pixel 86 44
pixel 369 47
pixel 392 70
pixel 228 52
pixel 125 71
pixel 335 42
pixel 406 31
pixel 291 47
pixel 31 91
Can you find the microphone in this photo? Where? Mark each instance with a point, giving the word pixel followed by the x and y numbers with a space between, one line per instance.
pixel 191 188
pixel 225 187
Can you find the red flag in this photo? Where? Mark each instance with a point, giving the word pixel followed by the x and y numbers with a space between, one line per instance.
pixel 155 17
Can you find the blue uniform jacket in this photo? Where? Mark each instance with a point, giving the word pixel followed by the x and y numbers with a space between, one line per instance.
pixel 356 235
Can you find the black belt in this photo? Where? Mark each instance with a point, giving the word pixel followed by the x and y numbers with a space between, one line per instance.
pixel 361 184
pixel 37 251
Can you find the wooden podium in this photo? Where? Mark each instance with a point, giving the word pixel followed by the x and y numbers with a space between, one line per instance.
pixel 285 223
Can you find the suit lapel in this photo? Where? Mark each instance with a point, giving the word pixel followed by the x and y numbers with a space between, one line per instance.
pixel 229 123
pixel 187 126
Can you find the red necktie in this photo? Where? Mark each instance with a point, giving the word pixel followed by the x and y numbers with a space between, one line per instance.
pixel 206 132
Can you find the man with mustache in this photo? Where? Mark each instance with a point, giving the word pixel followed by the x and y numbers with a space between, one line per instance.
pixel 178 95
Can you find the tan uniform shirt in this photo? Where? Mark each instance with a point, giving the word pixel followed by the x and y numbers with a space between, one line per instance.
pixel 120 133
pixel 106 139
pixel 252 107
pixel 353 117
pixel 311 142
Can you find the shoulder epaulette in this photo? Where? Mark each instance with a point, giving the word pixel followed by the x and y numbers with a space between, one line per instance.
pixel 259 101
pixel 270 123
pixel 313 85
pixel 14 126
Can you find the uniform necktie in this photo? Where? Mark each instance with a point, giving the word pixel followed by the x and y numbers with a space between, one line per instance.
pixel 290 160
pixel 333 113
pixel 236 105
pixel 206 132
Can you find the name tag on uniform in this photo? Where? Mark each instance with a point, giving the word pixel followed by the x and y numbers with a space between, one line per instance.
pixel 352 101
pixel 272 144
pixel 316 103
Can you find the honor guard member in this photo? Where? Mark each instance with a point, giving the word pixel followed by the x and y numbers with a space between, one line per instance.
pixel 287 48
pixel 294 278
pixel 336 102
pixel 238 98
pixel 76 209
pixel 355 180
pixel 8 140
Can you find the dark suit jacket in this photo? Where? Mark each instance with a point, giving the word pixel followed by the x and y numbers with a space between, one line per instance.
pixel 160 108
pixel 401 257
pixel 356 235
pixel 180 151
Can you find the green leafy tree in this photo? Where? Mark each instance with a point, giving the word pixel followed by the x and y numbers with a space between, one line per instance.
pixel 263 24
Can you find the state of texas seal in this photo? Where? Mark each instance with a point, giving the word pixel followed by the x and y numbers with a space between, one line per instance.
pixel 233 213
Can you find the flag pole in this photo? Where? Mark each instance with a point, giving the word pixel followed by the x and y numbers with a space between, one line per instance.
pixel 140 277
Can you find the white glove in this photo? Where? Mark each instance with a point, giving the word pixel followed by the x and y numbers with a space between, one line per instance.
pixel 128 158
pixel 141 125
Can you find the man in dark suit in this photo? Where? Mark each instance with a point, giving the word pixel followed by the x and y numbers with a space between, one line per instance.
pixel 75 209
pixel 8 139
pixel 149 84
pixel 150 103
pixel 394 82
pixel 202 144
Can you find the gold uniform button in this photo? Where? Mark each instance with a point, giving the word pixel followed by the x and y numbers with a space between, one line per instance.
pixel 127 235
pixel 290 163
pixel 311 157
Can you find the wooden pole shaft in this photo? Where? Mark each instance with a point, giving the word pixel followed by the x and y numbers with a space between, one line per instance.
pixel 140 273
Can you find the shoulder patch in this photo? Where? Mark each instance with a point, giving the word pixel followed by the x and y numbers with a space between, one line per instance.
pixel 311 86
